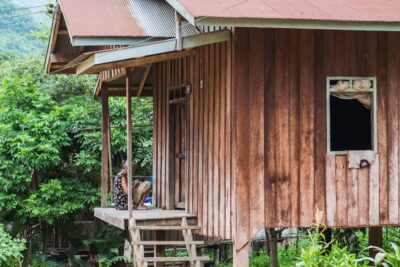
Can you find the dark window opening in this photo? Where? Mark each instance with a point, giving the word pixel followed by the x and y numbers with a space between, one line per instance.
pixel 350 125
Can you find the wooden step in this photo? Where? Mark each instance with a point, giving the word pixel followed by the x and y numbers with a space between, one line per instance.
pixel 165 227
pixel 166 243
pixel 173 259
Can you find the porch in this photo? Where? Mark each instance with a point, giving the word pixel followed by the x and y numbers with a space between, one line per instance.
pixel 152 217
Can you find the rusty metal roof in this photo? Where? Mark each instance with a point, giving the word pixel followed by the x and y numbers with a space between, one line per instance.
pixel 98 18
pixel 320 10
pixel 157 18
pixel 120 18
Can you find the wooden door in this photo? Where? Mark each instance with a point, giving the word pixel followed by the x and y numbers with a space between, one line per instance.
pixel 179 154
pixel 177 143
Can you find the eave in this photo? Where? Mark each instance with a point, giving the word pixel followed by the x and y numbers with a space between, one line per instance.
pixel 148 53
pixel 283 23
pixel 298 24
pixel 107 41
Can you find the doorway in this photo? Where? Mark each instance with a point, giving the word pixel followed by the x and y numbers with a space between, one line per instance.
pixel 177 147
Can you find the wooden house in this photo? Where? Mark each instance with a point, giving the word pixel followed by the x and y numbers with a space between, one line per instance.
pixel 266 113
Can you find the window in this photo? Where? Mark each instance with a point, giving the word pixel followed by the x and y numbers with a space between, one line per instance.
pixel 351 114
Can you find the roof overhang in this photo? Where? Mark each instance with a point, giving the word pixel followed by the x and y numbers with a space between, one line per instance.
pixel 298 24
pixel 140 55
pixel 60 50
pixel 107 41
pixel 214 20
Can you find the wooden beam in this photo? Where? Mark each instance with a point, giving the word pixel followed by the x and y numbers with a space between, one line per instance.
pixel 115 77
pixel 129 137
pixel 135 51
pixel 53 38
pixel 62 32
pixel 206 38
pixel 160 250
pixel 144 79
pixel 62 57
pixel 89 67
pixel 54 29
pixel 85 65
pixel 105 147
pixel 146 92
pixel 141 55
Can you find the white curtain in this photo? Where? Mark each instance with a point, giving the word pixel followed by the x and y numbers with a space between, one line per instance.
pixel 362 94
pixel 364 98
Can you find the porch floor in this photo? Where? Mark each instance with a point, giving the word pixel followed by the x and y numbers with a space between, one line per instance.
pixel 119 218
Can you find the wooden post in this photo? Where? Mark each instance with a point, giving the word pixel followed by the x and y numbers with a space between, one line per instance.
pixel 160 250
pixel 129 138
pixel 105 146
pixel 374 239
pixel 241 256
pixel 270 235
pixel 111 180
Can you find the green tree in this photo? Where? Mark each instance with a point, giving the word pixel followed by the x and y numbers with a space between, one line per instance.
pixel 50 150
pixel 19 32
pixel 10 249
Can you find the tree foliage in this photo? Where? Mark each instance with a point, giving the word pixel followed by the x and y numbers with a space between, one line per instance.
pixel 10 249
pixel 50 145
pixel 58 200
pixel 18 32
pixel 50 150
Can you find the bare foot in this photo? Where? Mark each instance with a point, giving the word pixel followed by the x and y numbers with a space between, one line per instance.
pixel 135 184
pixel 143 208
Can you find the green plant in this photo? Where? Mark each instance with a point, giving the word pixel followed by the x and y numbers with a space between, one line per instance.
pixel 110 258
pixel 177 253
pixel 74 262
pixel 320 253
pixel 288 255
pixel 224 264
pixel 260 259
pixel 50 148
pixel 387 258
pixel 107 245
pixel 57 200
pixel 41 260
pixel 10 249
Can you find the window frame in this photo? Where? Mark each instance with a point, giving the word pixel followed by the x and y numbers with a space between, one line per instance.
pixel 373 91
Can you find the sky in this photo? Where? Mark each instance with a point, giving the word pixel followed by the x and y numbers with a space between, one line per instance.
pixel 43 18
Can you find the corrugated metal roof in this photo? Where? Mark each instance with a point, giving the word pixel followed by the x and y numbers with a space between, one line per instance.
pixel 120 18
pixel 321 10
pixel 100 18
pixel 157 18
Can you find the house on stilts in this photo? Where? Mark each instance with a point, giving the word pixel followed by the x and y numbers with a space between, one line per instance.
pixel 266 113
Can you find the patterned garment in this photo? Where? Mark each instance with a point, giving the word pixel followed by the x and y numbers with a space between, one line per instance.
pixel 121 199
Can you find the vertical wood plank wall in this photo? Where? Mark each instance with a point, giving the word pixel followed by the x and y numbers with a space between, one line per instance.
pixel 210 132
pixel 284 175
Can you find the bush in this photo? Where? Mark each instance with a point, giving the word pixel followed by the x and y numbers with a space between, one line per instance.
pixel 259 260
pixel 320 253
pixel 10 249
pixel 387 258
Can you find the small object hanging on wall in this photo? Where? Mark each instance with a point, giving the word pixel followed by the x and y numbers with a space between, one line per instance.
pixel 364 164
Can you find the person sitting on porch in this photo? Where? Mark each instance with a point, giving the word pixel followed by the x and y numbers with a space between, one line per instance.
pixel 140 191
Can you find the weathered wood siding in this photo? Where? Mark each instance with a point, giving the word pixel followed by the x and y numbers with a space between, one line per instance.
pixel 209 153
pixel 284 175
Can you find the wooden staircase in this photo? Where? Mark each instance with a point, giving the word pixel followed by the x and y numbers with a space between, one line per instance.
pixel 138 246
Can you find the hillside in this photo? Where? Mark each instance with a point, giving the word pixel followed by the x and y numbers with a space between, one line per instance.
pixel 20 34
pixel 39 17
